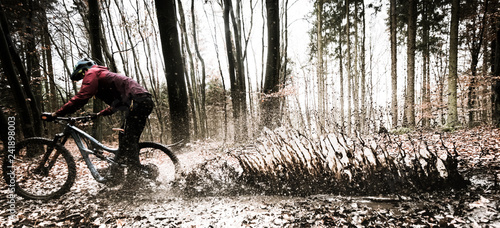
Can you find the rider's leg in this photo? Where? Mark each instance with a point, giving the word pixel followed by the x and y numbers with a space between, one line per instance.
pixel 135 122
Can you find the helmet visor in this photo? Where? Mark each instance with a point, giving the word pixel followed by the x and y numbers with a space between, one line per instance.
pixel 78 74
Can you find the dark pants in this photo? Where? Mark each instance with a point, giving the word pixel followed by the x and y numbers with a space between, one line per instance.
pixel 135 121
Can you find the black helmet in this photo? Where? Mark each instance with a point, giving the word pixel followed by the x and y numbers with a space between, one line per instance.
pixel 81 66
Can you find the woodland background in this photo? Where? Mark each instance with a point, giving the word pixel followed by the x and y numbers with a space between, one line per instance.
pixel 222 69
pixel 276 101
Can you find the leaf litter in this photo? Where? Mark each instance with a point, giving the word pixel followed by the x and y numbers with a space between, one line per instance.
pixel 210 192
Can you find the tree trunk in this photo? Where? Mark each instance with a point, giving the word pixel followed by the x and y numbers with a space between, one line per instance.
pixel 496 83
pixel 452 78
pixel 356 85
pixel 7 61
pixel 349 74
pixel 190 77
pixel 394 63
pixel 112 32
pixel 4 124
pixel 95 44
pixel 425 67
pixel 475 44
pixel 235 96
pixel 271 103
pixel 34 113
pixel 341 75
pixel 8 68
pixel 32 82
pixel 240 69
pixel 174 70
pixel 410 84
pixel 442 68
pixel 49 70
pixel 320 67
pixel 203 114
pixel 363 109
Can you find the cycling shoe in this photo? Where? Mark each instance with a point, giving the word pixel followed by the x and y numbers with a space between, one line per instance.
pixel 113 174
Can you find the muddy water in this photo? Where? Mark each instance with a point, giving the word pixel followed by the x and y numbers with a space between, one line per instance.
pixel 254 211
pixel 165 208
pixel 92 205
pixel 476 206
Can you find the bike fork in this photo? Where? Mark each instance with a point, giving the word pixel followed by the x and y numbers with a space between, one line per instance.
pixel 42 168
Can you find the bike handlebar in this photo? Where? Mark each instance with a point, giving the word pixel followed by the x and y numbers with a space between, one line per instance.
pixel 48 117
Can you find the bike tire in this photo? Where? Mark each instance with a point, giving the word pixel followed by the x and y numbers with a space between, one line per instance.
pixel 20 173
pixel 151 153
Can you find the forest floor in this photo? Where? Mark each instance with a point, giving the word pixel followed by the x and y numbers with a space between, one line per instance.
pixel 90 204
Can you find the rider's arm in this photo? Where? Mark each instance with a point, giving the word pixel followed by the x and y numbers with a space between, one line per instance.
pixel 108 111
pixel 88 89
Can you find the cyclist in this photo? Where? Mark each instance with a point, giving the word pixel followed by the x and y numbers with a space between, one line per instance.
pixel 120 93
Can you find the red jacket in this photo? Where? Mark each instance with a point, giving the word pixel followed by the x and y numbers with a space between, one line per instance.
pixel 114 89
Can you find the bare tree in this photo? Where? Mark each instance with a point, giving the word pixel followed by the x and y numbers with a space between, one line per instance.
pixel 191 76
pixel 31 78
pixel 96 48
pixel 203 114
pixel 363 109
pixel 475 29
pixel 452 78
pixel 496 72
pixel 234 72
pixel 425 65
pixel 8 66
pixel 410 80
pixel 271 103
pixel 394 63
pixel 349 69
pixel 320 68
pixel 174 70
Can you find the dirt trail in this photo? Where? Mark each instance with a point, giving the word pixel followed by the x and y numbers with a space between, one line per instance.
pixel 93 205
pixel 112 208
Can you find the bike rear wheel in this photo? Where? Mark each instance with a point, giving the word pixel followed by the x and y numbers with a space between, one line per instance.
pixel 23 173
pixel 159 158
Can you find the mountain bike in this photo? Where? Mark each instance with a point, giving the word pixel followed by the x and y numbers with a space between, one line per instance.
pixel 43 169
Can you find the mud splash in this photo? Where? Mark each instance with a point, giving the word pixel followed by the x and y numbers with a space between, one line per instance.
pixel 92 205
pixel 285 162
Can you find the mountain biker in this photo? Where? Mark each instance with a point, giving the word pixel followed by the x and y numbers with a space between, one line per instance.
pixel 121 93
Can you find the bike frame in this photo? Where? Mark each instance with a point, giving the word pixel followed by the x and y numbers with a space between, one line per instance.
pixel 77 134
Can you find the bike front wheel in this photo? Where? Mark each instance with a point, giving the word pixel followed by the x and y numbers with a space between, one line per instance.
pixel 159 158
pixel 30 179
